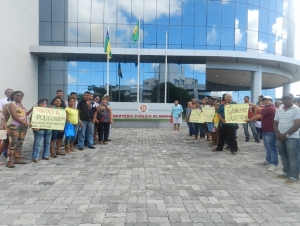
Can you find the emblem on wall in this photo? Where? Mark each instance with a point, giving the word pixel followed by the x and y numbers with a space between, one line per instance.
pixel 143 108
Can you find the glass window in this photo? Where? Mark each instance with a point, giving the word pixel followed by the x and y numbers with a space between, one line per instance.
pixel 214 13
pixel 252 39
pixel 213 36
pixel 58 31
pixel 280 7
pixel 264 4
pixel 272 22
pixel 57 77
pixel 84 32
pixel 228 14
pixel 240 38
pixel 241 16
pixel 262 42
pixel 242 1
pixel 45 31
pixel 271 43
pixel 278 45
pixel 253 16
pixel 284 48
pixel 188 12
pixel 163 11
pixel 174 37
pixel 72 33
pixel 161 35
pixel 187 36
pixel 58 10
pixel 227 38
pixel 149 34
pixel 273 5
pixel 97 33
pixel 200 12
pixel 84 11
pixel 200 36
pixel 97 6
pixel 45 10
pixel 253 2
pixel 263 19
pixel 72 11
pixel 149 16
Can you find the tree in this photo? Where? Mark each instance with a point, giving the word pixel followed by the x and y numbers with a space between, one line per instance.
pixel 114 94
pixel 173 93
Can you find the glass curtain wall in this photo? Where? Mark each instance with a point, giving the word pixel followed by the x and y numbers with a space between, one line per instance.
pixel 242 25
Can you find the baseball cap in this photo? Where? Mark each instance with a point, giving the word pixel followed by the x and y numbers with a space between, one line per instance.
pixel 288 95
pixel 267 97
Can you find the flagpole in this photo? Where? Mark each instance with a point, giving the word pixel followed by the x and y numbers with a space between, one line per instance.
pixel 138 69
pixel 166 67
pixel 107 67
pixel 119 89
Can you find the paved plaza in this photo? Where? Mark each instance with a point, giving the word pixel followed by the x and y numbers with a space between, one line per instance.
pixel 148 177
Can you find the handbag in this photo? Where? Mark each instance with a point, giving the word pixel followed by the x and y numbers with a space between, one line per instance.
pixel 69 130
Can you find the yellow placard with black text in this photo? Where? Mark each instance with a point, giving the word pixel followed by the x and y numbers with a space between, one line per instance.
pixel 208 114
pixel 48 118
pixel 236 113
pixel 196 116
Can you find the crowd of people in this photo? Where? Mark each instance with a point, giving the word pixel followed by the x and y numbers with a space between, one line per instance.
pixel 90 118
pixel 276 124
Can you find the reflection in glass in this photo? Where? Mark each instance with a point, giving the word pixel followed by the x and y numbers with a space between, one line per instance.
pixel 72 11
pixel 214 13
pixel 97 33
pixel 84 11
pixel 228 14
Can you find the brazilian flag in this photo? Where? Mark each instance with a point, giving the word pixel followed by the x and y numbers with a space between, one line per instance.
pixel 136 32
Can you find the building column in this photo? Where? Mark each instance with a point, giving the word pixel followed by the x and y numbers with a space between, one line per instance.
pixel 286 88
pixel 256 84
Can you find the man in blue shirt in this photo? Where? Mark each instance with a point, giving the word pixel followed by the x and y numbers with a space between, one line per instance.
pixel 176 114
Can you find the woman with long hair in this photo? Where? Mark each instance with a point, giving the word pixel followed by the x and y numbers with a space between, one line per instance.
pixel 73 118
pixel 104 118
pixel 57 135
pixel 17 125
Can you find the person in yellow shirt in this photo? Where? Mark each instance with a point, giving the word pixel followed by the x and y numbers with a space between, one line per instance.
pixel 214 133
pixel 73 118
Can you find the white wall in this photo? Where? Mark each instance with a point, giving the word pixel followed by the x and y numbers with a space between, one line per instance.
pixel 19 28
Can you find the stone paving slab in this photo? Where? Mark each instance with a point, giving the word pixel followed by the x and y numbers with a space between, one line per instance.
pixel 148 177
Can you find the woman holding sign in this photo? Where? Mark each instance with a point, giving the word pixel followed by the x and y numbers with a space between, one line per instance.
pixel 17 125
pixel 177 115
pixel 57 135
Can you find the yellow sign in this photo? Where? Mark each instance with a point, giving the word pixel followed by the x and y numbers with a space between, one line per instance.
pixel 236 113
pixel 48 118
pixel 196 116
pixel 208 114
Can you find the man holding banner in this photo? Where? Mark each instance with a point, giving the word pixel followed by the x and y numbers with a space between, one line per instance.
pixel 226 129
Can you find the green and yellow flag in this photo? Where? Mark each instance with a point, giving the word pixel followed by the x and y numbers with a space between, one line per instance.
pixel 136 32
pixel 107 48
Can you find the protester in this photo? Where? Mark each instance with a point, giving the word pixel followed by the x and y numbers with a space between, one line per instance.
pixel 3 126
pixel 7 99
pixel 209 125
pixel 104 118
pixel 203 127
pixel 193 101
pixel 251 113
pixel 286 127
pixel 87 116
pixel 60 94
pixel 41 135
pixel 73 118
pixel 267 115
pixel 260 98
pixel 73 95
pixel 176 114
pixel 17 125
pixel 57 135
pixel 187 119
pixel 226 129
pixel 214 133
pixel 197 125
pixel 278 104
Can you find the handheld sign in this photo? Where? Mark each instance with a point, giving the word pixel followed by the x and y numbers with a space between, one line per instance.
pixel 48 118
pixel 236 113
pixel 208 114
pixel 196 116
pixel 3 134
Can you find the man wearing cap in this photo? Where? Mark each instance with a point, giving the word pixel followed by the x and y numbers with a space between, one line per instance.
pixel 286 126
pixel 267 115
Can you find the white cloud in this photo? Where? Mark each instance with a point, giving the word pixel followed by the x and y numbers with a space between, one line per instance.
pixel 71 80
pixel 131 82
pixel 212 36
pixel 198 67
pixel 252 33
pixel 73 63
pixel 238 34
pixel 262 46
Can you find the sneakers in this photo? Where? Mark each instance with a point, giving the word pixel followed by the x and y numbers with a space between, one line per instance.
pixel 282 176
pixel 80 148
pixel 292 182
pixel 272 168
pixel 264 163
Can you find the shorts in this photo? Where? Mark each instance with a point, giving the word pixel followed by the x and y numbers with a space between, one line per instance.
pixel 210 126
pixel 56 134
pixel 177 120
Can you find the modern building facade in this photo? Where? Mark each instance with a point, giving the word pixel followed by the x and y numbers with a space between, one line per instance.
pixel 213 45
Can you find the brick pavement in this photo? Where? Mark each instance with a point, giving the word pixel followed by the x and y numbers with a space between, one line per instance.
pixel 148 177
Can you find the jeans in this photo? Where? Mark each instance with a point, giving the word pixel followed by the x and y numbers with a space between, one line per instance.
pixel 87 126
pixel 202 130
pixel 196 127
pixel 72 139
pixel 259 132
pixel 191 128
pixel 39 136
pixel 288 151
pixel 269 139
pixel 253 128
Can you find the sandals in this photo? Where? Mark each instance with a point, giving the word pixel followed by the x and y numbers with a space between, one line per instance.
pixel 53 156
pixel 46 158
pixel 36 161
pixel 20 163
pixel 105 142
pixel 59 153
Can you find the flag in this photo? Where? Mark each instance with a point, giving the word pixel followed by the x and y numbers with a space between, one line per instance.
pixel 107 46
pixel 136 32
pixel 120 71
